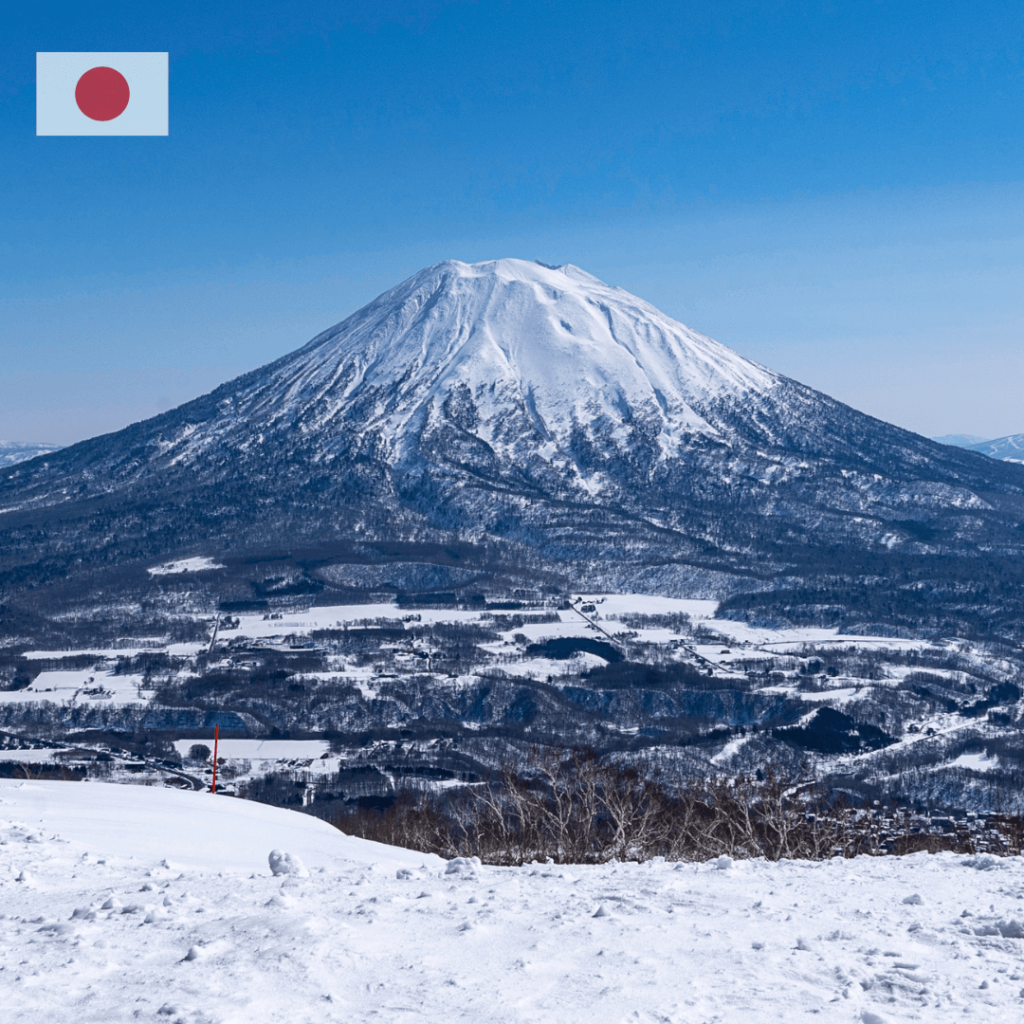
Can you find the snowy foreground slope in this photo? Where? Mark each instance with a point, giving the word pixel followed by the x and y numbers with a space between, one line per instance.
pixel 128 904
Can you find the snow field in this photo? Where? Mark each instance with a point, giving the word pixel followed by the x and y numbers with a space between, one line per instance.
pixel 128 904
pixel 260 750
pixel 63 686
pixel 80 686
pixel 199 563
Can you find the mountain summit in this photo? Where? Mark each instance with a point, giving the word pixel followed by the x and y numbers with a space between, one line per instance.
pixel 530 409
pixel 510 351
pixel 515 363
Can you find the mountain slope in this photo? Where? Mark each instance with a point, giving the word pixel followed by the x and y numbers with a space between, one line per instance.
pixel 1009 448
pixel 536 411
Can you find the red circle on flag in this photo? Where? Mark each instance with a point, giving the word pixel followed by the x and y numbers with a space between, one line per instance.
pixel 102 94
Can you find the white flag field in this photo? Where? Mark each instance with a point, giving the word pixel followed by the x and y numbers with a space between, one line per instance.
pixel 101 93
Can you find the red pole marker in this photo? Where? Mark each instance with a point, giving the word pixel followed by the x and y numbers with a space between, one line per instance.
pixel 216 738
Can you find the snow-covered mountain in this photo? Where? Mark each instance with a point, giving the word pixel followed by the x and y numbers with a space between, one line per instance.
pixel 1009 448
pixel 508 352
pixel 20 451
pixel 960 440
pixel 513 361
pixel 524 407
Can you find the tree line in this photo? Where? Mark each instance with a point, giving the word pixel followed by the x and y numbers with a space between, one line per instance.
pixel 572 808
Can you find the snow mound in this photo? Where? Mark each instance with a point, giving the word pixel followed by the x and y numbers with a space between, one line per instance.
pixel 984 862
pixel 286 864
pixel 463 866
pixel 173 831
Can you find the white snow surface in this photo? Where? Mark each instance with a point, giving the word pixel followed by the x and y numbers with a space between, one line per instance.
pixel 79 686
pixel 130 903
pixel 556 342
pixel 260 750
pixel 194 830
pixel 197 564
pixel 975 762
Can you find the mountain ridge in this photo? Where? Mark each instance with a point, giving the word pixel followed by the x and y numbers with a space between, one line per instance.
pixel 1009 448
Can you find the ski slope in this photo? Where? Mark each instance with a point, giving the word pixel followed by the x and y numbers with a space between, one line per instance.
pixel 122 903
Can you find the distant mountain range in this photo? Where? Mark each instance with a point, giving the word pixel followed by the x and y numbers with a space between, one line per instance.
pixel 1008 449
pixel 12 452
pixel 534 418
pixel 960 440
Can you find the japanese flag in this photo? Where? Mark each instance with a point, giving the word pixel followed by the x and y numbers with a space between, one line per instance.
pixel 101 94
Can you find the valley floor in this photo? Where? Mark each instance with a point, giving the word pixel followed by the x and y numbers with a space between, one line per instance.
pixel 130 903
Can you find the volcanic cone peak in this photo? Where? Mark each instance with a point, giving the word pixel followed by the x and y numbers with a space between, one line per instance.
pixel 507 348
pixel 528 406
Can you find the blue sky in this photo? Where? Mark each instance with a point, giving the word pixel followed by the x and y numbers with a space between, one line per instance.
pixel 833 189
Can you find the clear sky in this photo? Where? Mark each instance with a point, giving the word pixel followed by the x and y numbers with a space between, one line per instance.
pixel 833 189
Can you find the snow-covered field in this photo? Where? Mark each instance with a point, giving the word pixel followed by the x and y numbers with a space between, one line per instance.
pixel 261 750
pixel 197 564
pixel 102 683
pixel 81 685
pixel 122 903
pixel 721 647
